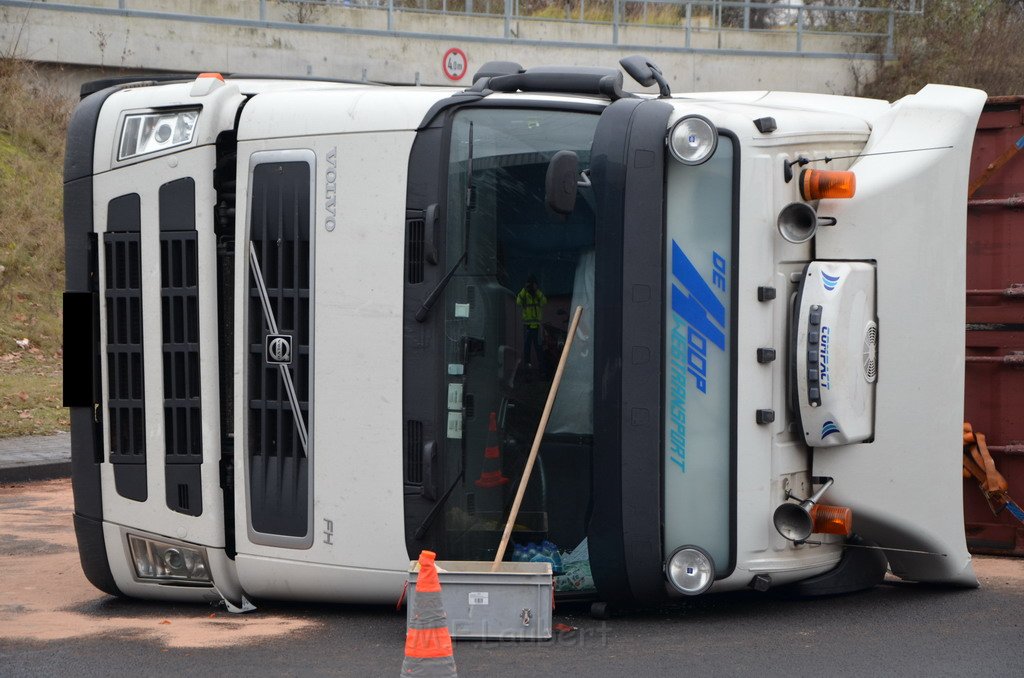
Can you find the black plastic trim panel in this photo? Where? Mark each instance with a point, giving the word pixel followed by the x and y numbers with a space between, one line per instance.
pixel 124 214
pixel 225 184
pixel 643 275
pixel 625 530
pixel 734 280
pixel 279 482
pixel 82 363
pixel 78 154
pixel 422 407
pixel 604 534
pixel 795 382
pixel 178 205
pixel 125 81
pixel 81 278
pixel 92 552
pixel 79 349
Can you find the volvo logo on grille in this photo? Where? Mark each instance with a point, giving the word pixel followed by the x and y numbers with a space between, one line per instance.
pixel 279 349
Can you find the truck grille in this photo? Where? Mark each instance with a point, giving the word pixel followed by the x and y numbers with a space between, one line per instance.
pixel 415 250
pixel 278 448
pixel 413 452
pixel 179 314
pixel 183 424
pixel 126 412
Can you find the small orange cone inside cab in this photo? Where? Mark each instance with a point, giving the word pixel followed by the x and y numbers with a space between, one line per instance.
pixel 490 473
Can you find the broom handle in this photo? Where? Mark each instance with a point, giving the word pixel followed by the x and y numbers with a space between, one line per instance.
pixel 514 513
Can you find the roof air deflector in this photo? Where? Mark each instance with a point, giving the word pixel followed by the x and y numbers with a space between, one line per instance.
pixel 563 80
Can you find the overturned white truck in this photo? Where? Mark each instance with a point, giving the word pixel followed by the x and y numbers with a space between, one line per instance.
pixel 310 327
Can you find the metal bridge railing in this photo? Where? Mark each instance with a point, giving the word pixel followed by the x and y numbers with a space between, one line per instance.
pixel 837 18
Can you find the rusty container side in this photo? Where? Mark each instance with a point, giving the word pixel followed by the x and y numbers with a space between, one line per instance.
pixel 994 388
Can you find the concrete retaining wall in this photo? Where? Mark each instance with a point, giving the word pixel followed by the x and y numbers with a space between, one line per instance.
pixel 352 43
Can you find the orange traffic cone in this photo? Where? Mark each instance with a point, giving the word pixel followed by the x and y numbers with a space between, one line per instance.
pixel 490 474
pixel 428 647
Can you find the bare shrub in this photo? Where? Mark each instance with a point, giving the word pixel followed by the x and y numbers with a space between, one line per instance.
pixel 955 42
pixel 304 11
pixel 33 120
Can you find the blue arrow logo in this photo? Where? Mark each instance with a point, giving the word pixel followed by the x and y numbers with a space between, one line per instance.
pixel 829 281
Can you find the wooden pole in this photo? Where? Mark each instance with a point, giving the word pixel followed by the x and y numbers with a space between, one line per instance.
pixel 514 513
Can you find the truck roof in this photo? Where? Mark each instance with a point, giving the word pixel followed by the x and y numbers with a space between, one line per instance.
pixel 284 107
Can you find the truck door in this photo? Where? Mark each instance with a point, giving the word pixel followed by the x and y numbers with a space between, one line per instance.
pixel 475 381
pixel 491 280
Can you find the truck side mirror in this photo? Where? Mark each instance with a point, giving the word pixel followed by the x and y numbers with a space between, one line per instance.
pixel 646 73
pixel 560 182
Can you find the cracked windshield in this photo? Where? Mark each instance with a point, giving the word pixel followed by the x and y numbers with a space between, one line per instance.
pixel 507 311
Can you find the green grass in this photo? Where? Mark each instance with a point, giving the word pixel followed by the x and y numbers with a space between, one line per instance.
pixel 31 405
pixel 33 120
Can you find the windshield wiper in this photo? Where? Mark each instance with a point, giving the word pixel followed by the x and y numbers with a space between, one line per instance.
pixel 436 508
pixel 463 260
pixel 431 299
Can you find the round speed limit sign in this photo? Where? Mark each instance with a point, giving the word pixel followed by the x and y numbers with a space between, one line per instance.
pixel 454 64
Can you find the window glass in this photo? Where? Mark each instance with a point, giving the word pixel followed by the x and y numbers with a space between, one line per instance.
pixel 506 316
pixel 698 369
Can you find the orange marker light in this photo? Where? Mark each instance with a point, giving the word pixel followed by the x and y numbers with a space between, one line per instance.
pixel 818 184
pixel 218 76
pixel 832 520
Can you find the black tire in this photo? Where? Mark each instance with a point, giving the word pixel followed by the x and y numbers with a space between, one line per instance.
pixel 859 569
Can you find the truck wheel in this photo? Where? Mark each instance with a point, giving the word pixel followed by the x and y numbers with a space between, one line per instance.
pixel 858 570
pixel 600 610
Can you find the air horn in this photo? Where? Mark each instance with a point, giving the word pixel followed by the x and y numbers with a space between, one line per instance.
pixel 794 521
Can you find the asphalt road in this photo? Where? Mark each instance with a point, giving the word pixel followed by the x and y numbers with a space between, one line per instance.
pixel 52 622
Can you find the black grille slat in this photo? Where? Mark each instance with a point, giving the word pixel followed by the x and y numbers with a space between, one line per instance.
pixel 125 378
pixel 415 250
pixel 414 452
pixel 280 236
pixel 179 298
pixel 179 313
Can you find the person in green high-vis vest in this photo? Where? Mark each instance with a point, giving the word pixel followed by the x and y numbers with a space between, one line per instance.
pixel 531 301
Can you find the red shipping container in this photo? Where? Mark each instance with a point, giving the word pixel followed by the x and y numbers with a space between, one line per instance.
pixel 994 388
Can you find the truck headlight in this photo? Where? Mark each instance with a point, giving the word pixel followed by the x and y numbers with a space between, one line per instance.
pixel 693 140
pixel 170 562
pixel 690 570
pixel 143 133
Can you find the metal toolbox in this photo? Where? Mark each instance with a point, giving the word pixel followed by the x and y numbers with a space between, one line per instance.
pixel 512 603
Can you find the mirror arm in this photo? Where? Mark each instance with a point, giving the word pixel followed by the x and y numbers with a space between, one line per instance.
pixel 663 88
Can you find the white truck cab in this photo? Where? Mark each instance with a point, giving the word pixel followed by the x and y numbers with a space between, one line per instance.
pixel 310 327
